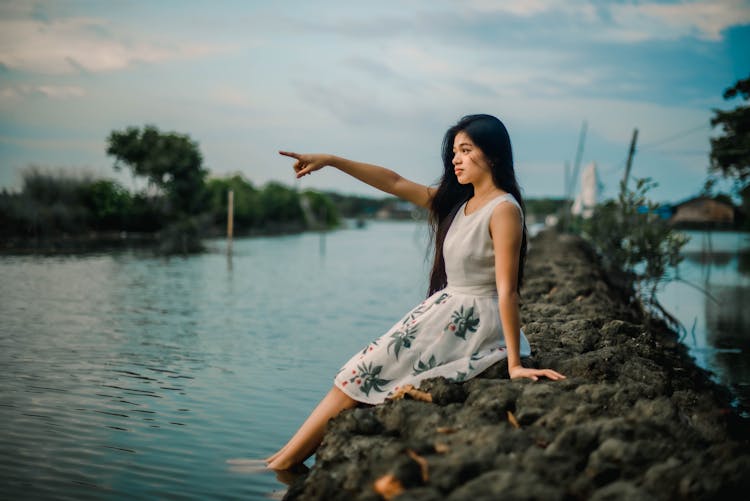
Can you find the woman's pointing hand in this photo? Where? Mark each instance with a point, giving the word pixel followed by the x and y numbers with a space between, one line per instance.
pixel 306 163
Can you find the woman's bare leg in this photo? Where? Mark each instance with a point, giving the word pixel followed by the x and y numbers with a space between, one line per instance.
pixel 303 444
pixel 280 451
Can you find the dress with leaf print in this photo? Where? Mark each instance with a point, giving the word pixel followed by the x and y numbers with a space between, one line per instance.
pixel 455 333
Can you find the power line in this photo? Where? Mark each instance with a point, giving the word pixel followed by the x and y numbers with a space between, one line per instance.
pixel 678 135
pixel 685 153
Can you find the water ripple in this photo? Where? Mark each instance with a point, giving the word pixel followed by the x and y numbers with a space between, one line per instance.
pixel 130 376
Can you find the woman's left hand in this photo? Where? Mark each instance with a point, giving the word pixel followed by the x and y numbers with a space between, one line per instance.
pixel 519 372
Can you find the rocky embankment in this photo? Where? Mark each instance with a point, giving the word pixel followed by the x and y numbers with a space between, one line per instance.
pixel 636 419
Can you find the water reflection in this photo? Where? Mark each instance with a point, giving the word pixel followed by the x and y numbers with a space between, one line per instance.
pixel 713 306
pixel 743 264
pixel 132 377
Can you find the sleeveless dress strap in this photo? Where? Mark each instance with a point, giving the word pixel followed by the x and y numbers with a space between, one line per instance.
pixel 507 197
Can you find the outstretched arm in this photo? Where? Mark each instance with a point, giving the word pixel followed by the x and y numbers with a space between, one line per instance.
pixel 378 177
pixel 506 231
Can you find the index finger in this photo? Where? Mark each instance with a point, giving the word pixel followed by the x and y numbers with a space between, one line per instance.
pixel 553 374
pixel 290 154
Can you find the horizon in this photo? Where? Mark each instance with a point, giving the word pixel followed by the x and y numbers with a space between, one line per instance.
pixel 377 83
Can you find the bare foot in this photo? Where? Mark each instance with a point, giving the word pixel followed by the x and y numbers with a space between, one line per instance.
pixel 285 465
pixel 290 475
pixel 275 454
pixel 241 465
pixel 278 465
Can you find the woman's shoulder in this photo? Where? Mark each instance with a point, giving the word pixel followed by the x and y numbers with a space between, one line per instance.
pixel 506 206
pixel 505 200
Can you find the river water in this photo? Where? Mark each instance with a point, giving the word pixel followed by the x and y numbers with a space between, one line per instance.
pixel 129 376
pixel 712 300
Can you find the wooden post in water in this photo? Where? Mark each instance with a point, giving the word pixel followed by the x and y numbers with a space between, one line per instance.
pixel 230 221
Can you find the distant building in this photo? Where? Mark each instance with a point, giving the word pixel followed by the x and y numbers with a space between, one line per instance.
pixel 397 210
pixel 703 211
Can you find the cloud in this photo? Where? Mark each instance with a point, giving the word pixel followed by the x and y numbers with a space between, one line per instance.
pixel 55 144
pixel 530 8
pixel 349 103
pixel 705 20
pixel 585 20
pixel 48 91
pixel 628 22
pixel 227 95
pixel 632 21
pixel 371 67
pixel 82 44
pixel 60 91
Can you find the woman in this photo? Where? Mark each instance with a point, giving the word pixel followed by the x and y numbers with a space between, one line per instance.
pixel 471 318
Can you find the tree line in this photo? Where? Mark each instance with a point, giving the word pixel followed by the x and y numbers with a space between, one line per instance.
pixel 52 203
pixel 180 204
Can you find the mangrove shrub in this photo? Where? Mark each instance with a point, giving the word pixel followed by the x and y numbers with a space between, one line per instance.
pixel 635 242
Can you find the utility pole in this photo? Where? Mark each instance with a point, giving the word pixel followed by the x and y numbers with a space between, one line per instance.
pixel 570 180
pixel 577 163
pixel 631 153
pixel 230 221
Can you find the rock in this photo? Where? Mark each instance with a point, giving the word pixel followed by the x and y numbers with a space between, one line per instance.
pixel 668 472
pixel 636 419
pixel 619 491
pixel 443 391
pixel 360 421
pixel 496 485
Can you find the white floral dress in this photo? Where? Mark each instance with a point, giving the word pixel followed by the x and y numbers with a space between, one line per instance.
pixel 455 333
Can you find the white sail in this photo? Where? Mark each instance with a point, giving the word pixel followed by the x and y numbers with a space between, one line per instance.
pixel 586 199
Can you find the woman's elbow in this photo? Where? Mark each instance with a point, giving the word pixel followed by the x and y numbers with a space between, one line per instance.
pixel 507 295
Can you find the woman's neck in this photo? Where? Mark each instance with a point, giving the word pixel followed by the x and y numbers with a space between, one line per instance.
pixel 485 189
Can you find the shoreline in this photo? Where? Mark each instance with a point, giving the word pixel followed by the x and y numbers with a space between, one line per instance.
pixel 636 418
pixel 114 241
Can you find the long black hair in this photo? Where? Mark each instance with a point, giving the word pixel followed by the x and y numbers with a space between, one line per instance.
pixel 489 135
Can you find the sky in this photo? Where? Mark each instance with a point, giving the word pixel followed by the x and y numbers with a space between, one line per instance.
pixel 374 81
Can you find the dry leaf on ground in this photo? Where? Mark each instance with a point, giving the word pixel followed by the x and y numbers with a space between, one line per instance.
pixel 415 394
pixel 512 420
pixel 388 486
pixel 446 429
pixel 441 448
pixel 422 462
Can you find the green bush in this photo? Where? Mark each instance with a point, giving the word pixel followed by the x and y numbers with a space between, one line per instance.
pixel 632 239
pixel 357 206
pixel 280 204
pixel 50 203
pixel 273 207
pixel 323 209
pixel 50 187
pixel 54 203
pixel 107 202
pixel 247 209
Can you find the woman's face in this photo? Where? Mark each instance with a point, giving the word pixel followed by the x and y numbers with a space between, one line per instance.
pixel 469 163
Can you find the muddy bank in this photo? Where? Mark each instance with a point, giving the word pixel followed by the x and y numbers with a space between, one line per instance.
pixel 636 419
